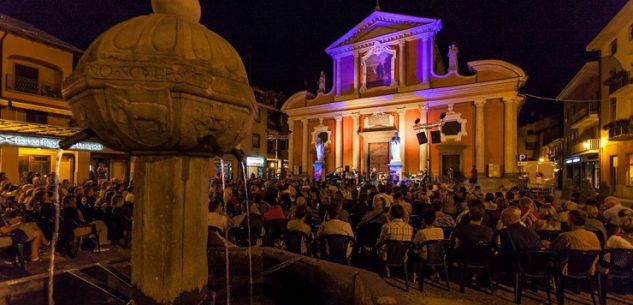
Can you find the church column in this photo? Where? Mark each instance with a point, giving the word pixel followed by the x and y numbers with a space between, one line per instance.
pixel 480 136
pixel 356 72
pixel 426 62
pixel 402 133
pixel 339 140
pixel 291 145
pixel 510 136
pixel 356 141
pixel 337 75
pixel 304 148
pixel 424 110
pixel 401 54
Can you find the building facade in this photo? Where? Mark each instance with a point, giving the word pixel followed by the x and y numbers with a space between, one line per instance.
pixel 615 46
pixel 33 114
pixel 387 75
pixel 266 149
pixel 582 126
pixel 534 137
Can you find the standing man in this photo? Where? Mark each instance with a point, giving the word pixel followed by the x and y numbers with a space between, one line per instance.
pixel 102 173
pixel 473 175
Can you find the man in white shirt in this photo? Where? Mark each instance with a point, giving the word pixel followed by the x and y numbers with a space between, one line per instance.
pixel 215 218
pixel 613 206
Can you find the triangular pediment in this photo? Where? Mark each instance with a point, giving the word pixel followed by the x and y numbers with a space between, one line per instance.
pixel 380 24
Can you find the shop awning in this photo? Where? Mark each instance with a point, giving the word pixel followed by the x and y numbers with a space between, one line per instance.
pixel 19 127
pixel 24 134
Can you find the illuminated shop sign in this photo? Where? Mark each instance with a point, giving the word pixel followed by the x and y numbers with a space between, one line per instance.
pixel 255 161
pixel 24 141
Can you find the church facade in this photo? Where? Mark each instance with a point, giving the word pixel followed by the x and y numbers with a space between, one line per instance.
pixel 388 76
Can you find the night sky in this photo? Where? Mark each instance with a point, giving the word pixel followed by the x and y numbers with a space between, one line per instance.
pixel 282 42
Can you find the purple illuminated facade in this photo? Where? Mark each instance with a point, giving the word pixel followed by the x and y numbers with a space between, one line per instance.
pixel 387 73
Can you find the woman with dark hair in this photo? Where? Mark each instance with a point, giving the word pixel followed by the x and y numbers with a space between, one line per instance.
pixel 71 219
pixel 121 219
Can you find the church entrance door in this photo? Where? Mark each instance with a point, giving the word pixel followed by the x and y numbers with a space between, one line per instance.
pixel 450 161
pixel 379 157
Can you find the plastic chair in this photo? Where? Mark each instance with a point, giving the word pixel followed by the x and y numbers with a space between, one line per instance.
pixel 416 221
pixel 476 256
pixel 396 252
pixel 435 258
pixel 620 267
pixel 533 264
pixel 17 249
pixel 82 233
pixel 334 248
pixel 275 230
pixel 549 235
pixel 578 265
pixel 448 231
pixel 294 241
pixel 367 234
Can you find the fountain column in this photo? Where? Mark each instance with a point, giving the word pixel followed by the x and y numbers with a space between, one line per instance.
pixel 170 230
pixel 173 94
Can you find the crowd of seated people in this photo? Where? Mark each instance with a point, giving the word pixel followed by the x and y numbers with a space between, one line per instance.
pixel 510 220
pixel 340 221
pixel 93 216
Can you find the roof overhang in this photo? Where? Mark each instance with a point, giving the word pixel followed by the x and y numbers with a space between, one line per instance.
pixel 588 69
pixel 411 26
pixel 434 97
pixel 622 20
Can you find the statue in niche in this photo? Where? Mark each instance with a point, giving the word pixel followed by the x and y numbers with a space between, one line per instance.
pixel 452 57
pixel 320 150
pixel 394 148
pixel 322 83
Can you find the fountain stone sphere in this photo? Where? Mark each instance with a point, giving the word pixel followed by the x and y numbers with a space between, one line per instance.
pixel 163 84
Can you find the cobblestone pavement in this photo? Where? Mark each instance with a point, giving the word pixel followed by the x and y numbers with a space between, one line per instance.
pixel 10 272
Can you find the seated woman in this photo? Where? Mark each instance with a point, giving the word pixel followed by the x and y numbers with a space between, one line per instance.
pixel 593 224
pixel 121 219
pixel 73 218
pixel 429 232
pixel 24 233
pixel 549 220
pixel 299 224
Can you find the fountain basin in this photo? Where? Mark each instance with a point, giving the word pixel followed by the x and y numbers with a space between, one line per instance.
pixel 280 278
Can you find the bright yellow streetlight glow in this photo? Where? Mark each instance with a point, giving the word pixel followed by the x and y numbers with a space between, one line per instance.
pixel 586 144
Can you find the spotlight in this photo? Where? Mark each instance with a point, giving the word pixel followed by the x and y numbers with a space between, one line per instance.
pixel 436 137
pixel 422 139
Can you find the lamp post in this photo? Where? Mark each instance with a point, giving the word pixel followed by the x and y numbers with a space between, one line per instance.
pixel 276 138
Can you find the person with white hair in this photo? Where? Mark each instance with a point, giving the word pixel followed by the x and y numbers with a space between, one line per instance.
pixel 613 206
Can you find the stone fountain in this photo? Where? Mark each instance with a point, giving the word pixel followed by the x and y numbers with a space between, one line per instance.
pixel 172 93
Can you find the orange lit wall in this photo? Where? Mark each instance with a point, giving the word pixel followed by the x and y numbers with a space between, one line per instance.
pixel 412 153
pixel 494 132
pixel 348 133
pixel 468 154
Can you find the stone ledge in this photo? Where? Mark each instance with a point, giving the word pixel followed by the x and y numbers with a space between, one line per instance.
pixel 300 277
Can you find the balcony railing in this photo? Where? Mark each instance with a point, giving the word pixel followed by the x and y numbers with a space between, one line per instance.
pixel 32 86
pixel 584 112
pixel 619 80
pixel 620 130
